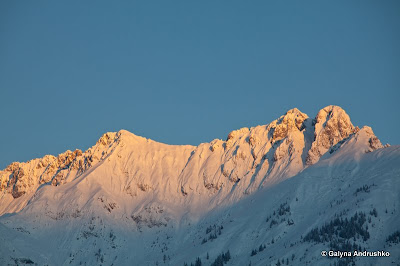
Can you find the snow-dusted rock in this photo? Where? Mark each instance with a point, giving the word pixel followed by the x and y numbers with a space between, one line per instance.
pixel 332 125
pixel 131 199
pixel 248 159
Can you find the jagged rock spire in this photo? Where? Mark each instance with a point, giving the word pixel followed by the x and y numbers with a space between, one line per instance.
pixel 332 124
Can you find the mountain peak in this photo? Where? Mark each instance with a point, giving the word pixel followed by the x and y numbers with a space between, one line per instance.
pixel 128 189
pixel 291 121
pixel 108 138
pixel 278 150
pixel 332 124
pixel 293 111
pixel 332 108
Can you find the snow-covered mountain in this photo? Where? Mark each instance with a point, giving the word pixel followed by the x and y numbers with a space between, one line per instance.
pixel 280 191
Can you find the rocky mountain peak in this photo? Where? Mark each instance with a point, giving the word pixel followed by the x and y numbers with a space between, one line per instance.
pixel 373 141
pixel 128 189
pixel 249 158
pixel 291 121
pixel 332 124
pixel 21 178
pixel 108 138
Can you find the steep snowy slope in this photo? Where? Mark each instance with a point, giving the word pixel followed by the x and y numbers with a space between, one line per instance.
pixel 132 201
pixel 221 170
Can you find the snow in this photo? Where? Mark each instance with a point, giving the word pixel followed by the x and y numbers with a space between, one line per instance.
pixel 131 200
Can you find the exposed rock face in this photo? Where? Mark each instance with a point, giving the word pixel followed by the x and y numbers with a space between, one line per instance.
pixel 258 156
pixel 20 178
pixel 292 121
pixel 332 125
pixel 248 159
pixel 374 142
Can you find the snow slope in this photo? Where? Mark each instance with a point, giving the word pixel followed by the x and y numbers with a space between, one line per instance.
pixel 129 200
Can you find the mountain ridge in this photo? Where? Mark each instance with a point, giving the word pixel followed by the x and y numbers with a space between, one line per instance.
pixel 249 158
pixel 129 200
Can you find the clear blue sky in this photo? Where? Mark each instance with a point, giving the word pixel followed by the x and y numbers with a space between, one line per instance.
pixel 186 72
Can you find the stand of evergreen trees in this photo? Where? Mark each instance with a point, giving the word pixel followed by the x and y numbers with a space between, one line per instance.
pixel 283 210
pixel 222 259
pixel 364 188
pixel 394 238
pixel 340 228
pixel 214 232
pixel 197 263
pixel 260 248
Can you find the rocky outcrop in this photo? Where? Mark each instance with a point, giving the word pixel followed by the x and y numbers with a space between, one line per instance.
pixel 21 178
pixel 332 125
pixel 292 121
pixel 247 160
pixel 373 141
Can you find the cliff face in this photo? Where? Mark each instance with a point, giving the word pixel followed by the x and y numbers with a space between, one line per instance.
pixel 250 158
pixel 129 198
pixel 20 178
pixel 331 125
